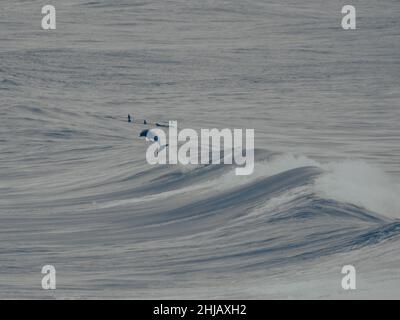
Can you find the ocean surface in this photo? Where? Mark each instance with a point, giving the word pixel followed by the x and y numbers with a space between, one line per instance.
pixel 77 193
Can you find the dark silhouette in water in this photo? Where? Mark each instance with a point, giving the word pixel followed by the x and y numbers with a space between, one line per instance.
pixel 144 133
pixel 148 134
pixel 162 125
pixel 129 118
pixel 144 121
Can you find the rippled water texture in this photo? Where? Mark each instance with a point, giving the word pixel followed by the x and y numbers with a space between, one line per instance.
pixel 76 191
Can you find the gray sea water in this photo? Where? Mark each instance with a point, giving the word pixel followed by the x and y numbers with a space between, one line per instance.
pixel 76 191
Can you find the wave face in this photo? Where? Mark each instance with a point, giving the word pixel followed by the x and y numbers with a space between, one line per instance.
pixel 77 193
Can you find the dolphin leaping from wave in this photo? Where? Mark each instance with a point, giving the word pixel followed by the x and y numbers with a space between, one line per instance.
pixel 151 135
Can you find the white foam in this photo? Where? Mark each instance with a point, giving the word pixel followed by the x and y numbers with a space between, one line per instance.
pixel 351 181
pixel 362 184
pixel 267 168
